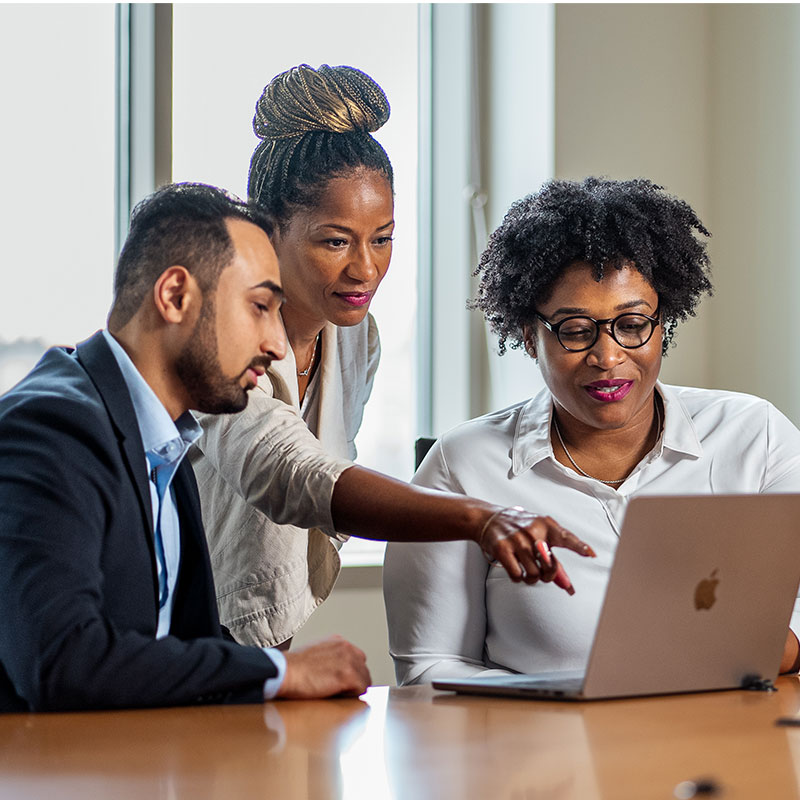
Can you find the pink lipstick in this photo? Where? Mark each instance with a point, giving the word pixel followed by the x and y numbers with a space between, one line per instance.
pixel 608 391
pixel 355 298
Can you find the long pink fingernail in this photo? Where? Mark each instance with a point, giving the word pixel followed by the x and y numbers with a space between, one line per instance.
pixel 565 583
pixel 562 581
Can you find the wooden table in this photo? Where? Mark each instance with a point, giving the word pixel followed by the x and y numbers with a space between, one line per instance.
pixel 411 743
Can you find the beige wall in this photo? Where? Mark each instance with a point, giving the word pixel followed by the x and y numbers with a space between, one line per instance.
pixel 632 99
pixel 706 101
pixel 755 200
pixel 355 610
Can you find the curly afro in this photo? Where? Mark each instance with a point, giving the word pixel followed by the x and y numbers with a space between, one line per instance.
pixel 606 223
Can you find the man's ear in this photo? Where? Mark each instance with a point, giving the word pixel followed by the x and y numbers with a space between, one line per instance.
pixel 176 294
pixel 529 339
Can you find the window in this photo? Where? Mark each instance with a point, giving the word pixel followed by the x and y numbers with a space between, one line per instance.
pixel 476 60
pixel 223 56
pixel 57 164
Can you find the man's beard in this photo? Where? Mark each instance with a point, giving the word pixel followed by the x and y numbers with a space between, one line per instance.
pixel 200 372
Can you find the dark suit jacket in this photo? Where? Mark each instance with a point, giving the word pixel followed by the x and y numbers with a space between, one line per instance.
pixel 78 585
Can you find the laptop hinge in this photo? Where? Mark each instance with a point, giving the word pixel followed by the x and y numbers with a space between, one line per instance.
pixel 756 683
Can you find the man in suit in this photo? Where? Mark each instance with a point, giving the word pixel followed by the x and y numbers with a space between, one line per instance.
pixel 105 584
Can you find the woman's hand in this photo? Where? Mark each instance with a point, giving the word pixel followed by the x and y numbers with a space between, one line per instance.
pixel 521 541
pixel 374 506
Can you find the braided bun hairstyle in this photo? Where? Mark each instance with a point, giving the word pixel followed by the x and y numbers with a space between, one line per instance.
pixel 314 125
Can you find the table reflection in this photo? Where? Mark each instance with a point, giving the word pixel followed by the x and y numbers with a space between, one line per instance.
pixel 284 750
pixel 410 743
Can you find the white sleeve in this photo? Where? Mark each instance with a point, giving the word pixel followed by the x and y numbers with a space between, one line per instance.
pixel 272 685
pixel 267 455
pixel 435 598
pixel 782 473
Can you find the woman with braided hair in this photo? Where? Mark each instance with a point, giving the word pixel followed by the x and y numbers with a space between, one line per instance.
pixel 590 278
pixel 271 488
pixel 329 186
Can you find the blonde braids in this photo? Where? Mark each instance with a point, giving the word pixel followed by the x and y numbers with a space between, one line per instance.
pixel 323 116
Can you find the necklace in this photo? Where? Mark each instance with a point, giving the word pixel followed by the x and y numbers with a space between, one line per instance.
pixel 586 474
pixel 304 372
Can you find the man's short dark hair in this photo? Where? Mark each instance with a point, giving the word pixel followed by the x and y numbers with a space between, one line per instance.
pixel 179 224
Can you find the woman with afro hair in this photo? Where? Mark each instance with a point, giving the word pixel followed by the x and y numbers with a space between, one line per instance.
pixel 590 278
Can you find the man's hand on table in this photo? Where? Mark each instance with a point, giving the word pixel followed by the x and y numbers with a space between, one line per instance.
pixel 330 667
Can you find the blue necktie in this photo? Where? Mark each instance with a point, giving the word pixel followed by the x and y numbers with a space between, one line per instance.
pixel 161 481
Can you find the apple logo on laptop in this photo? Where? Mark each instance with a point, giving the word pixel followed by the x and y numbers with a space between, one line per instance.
pixel 704 594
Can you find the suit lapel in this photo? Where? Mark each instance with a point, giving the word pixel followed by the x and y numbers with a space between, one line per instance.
pixel 194 611
pixel 101 366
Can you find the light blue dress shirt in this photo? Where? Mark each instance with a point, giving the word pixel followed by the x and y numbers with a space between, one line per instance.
pixel 165 444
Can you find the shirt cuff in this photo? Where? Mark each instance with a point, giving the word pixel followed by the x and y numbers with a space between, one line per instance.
pixel 272 685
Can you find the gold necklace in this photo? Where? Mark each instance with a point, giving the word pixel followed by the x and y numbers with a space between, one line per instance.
pixel 586 474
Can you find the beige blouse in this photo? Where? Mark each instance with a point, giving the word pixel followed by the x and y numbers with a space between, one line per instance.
pixel 262 469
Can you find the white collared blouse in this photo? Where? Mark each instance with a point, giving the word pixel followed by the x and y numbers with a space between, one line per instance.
pixel 450 615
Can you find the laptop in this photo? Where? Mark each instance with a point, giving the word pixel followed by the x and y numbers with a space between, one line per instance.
pixel 699 598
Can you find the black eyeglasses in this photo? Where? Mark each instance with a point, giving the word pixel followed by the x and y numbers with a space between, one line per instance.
pixel 580 333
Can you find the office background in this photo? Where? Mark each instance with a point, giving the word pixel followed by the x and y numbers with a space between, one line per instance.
pixel 702 98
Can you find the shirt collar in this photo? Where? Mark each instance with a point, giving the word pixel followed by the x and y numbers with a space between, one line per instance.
pixel 680 434
pixel 532 438
pixel 532 442
pixel 164 441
